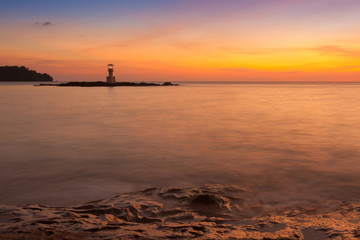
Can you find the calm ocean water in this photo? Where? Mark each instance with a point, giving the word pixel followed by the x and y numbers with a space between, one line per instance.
pixel 285 141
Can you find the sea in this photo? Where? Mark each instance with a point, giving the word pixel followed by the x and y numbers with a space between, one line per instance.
pixel 284 141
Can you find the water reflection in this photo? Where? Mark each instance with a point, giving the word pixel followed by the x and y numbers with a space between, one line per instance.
pixel 70 145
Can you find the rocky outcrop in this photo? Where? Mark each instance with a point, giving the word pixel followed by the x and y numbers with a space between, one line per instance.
pixel 105 84
pixel 208 212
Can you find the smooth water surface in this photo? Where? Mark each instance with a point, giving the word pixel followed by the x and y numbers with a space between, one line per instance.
pixel 66 145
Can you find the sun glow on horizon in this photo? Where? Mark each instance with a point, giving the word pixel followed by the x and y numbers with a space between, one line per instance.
pixel 183 40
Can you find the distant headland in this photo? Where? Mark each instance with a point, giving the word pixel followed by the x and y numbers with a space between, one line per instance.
pixel 107 84
pixel 22 74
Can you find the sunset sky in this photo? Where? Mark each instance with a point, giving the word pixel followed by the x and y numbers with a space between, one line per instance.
pixel 184 40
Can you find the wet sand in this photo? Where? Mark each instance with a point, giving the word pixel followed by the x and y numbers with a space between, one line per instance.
pixel 207 212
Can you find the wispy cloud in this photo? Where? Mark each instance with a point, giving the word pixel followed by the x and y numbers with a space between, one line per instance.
pixel 238 69
pixel 250 70
pixel 45 24
pixel 336 49
pixel 348 67
pixel 184 16
pixel 258 51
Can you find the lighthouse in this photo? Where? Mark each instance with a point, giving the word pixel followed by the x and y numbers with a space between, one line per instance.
pixel 110 78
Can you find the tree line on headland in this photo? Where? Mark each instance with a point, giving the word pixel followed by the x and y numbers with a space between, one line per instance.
pixel 22 74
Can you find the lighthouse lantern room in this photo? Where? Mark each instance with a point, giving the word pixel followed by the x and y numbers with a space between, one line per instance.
pixel 111 77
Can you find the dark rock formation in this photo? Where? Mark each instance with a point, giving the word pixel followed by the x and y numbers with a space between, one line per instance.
pixel 22 74
pixel 155 213
pixel 207 202
pixel 168 84
pixel 206 212
pixel 105 84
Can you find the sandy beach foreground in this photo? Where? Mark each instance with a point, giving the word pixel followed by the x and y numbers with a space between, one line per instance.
pixel 208 212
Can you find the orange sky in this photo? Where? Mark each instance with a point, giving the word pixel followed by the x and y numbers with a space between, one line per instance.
pixel 259 40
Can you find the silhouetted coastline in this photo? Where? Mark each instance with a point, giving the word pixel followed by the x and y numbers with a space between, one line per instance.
pixel 105 84
pixel 22 74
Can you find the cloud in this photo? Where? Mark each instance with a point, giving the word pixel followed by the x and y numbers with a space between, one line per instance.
pixel 259 51
pixel 184 16
pixel 238 69
pixel 45 24
pixel 51 61
pixel 348 67
pixel 250 70
pixel 338 50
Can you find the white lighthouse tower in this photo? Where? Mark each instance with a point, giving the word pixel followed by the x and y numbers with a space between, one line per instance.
pixel 110 78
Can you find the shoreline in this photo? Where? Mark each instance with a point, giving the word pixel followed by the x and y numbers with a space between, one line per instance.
pixel 207 212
